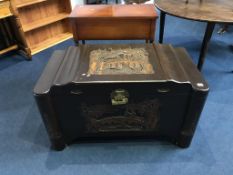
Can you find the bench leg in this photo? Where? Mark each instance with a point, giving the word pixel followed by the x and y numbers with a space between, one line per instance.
pixel 149 41
pixel 76 43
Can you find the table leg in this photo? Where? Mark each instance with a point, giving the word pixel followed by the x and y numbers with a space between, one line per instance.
pixel 231 47
pixel 205 43
pixel 162 23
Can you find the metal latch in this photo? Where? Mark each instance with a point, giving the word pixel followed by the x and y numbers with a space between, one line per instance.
pixel 119 97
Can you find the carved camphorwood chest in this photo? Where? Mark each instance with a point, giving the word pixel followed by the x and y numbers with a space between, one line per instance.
pixel 120 91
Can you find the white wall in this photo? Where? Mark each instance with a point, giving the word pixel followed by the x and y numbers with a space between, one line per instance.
pixel 75 2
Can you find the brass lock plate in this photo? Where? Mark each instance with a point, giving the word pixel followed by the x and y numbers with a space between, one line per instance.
pixel 119 97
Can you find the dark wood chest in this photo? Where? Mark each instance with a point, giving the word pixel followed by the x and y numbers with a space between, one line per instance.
pixel 120 91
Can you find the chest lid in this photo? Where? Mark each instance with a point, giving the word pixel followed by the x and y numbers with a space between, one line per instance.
pixel 128 63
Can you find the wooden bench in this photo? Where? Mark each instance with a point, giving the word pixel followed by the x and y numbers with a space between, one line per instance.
pixel 113 22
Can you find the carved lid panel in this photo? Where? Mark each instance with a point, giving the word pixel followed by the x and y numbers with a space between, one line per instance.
pixel 119 61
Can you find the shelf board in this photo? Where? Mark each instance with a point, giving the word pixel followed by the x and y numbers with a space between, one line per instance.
pixel 5 10
pixel 50 42
pixel 44 22
pixel 14 47
pixel 28 3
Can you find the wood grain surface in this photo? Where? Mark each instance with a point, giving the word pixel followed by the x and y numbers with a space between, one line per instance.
pixel 200 10
pixel 42 23
pixel 113 22
pixel 5 9
pixel 111 11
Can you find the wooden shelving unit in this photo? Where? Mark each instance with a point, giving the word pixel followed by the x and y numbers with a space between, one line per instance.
pixel 21 4
pixel 5 9
pixel 7 40
pixel 42 23
pixel 50 42
pixel 45 21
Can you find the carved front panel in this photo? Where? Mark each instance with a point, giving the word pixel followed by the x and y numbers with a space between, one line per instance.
pixel 142 116
pixel 120 61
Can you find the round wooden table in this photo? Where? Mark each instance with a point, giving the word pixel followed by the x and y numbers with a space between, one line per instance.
pixel 209 11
